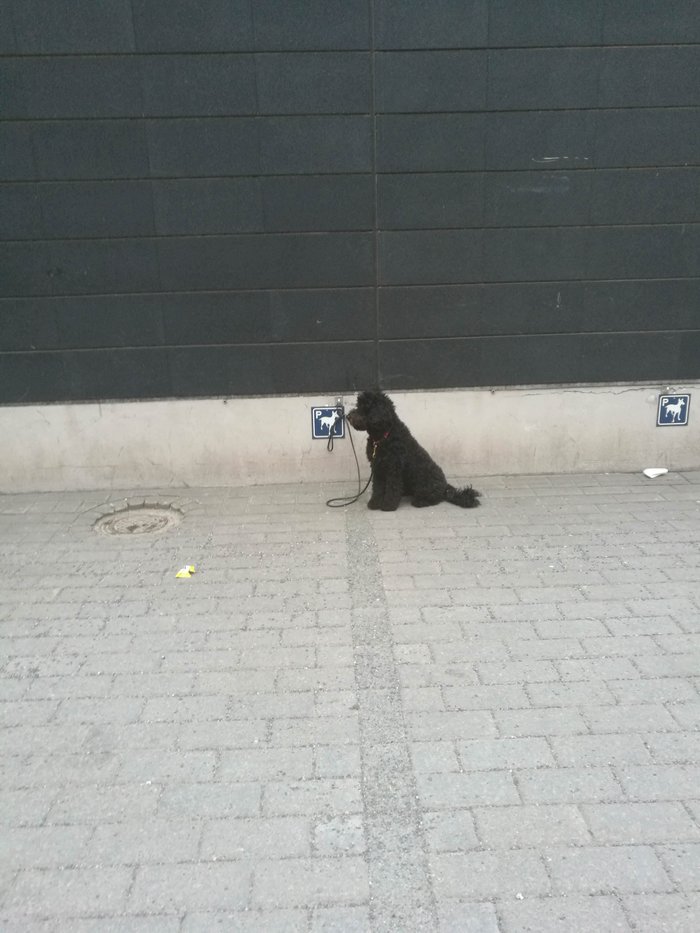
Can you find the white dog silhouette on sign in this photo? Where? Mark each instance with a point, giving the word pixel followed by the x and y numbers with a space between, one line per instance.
pixel 328 421
pixel 673 409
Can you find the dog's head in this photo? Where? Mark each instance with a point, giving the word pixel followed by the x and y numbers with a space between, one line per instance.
pixel 373 412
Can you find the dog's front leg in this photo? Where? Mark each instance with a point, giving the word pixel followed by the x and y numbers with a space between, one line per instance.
pixel 377 497
pixel 393 490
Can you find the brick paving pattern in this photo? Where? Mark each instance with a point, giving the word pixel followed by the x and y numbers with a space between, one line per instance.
pixel 430 720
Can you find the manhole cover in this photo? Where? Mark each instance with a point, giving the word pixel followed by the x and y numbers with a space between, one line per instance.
pixel 139 520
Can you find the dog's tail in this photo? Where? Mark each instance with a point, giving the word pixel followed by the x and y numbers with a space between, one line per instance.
pixel 466 498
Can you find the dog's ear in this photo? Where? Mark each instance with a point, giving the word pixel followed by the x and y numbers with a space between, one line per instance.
pixel 379 410
pixel 374 397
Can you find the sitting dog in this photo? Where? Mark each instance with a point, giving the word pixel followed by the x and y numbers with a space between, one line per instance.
pixel 400 466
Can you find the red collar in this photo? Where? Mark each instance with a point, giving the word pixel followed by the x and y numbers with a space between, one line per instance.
pixel 377 442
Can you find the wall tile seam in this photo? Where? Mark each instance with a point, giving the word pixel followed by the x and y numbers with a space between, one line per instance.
pixel 386 285
pixel 349 231
pixel 349 49
pixel 366 173
pixel 143 117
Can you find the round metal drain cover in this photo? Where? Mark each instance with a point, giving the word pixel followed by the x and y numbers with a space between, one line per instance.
pixel 139 520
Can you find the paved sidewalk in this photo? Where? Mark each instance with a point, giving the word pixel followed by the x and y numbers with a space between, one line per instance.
pixel 352 721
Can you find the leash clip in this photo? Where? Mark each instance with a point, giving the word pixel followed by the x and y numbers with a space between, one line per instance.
pixel 376 443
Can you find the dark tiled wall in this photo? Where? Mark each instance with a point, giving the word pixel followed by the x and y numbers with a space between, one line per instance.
pixel 250 196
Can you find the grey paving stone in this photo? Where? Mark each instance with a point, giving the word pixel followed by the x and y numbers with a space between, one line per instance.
pixel 313 797
pixel 185 709
pixel 468 651
pixel 118 709
pixel 547 648
pixel 305 882
pixel 663 690
pixel 203 800
pixel 584 914
pixel 105 804
pixel 568 785
pixel 450 831
pixel 669 665
pixel 604 668
pixel 571 628
pixel 68 892
pixel 58 769
pixel 542 721
pixel 663 913
pixel 251 764
pixel 116 663
pixel 126 923
pixel 681 747
pixel 335 761
pixel 429 675
pixel 248 921
pixel 420 633
pixel 340 703
pixel 25 807
pixel 12 688
pixel 661 782
pixel 683 864
pixel 191 886
pixel 492 754
pixel 679 644
pixel 447 791
pixel 338 835
pixel 46 846
pixel 143 842
pixel 570 694
pixel 231 839
pixel 485 696
pixel 687 714
pixel 517 672
pixel 449 725
pixel 620 646
pixel 646 717
pixel 216 682
pixel 458 917
pixel 27 712
pixel 422 699
pixel 634 823
pixel 483 874
pixel 161 766
pixel 434 756
pixel 607 870
pixel 148 685
pixel 602 610
pixel 643 625
pixel 528 826
pixel 591 750
pixel 340 920
pixel 329 678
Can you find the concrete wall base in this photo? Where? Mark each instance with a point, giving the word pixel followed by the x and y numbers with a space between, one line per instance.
pixel 247 441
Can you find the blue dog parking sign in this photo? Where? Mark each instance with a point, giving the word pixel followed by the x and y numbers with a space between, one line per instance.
pixel 673 409
pixel 327 422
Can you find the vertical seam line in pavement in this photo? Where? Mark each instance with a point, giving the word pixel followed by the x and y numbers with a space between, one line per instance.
pixel 417 906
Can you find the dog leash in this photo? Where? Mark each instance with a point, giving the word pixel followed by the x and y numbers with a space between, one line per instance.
pixel 340 502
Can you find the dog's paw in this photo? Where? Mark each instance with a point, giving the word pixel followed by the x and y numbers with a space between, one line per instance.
pixel 373 504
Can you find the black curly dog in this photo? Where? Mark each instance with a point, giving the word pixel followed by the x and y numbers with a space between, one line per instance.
pixel 400 466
